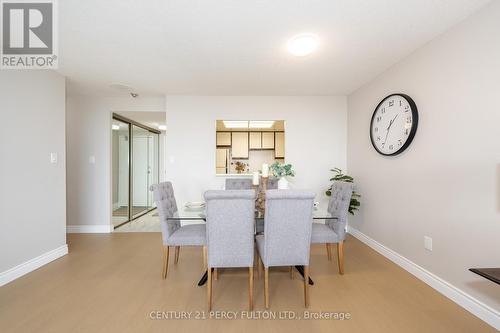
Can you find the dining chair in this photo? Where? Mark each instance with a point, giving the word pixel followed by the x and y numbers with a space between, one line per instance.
pixel 287 234
pixel 246 183
pixel 334 231
pixel 173 233
pixel 230 234
pixel 238 184
pixel 272 183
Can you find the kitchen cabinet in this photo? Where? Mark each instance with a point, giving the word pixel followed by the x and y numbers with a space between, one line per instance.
pixel 221 163
pixel 255 140
pixel 279 144
pixel 267 140
pixel 239 144
pixel 223 139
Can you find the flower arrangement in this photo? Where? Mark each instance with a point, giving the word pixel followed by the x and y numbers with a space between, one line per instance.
pixel 280 170
pixel 240 167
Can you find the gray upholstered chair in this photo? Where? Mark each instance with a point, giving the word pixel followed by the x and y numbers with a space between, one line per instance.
pixel 230 234
pixel 272 183
pixel 246 183
pixel 333 231
pixel 173 234
pixel 238 184
pixel 287 234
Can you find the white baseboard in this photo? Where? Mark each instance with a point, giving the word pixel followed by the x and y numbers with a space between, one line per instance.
pixel 89 229
pixel 474 306
pixel 31 265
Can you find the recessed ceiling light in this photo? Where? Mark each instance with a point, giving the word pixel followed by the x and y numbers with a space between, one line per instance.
pixel 235 123
pixel 162 127
pixel 303 44
pixel 261 123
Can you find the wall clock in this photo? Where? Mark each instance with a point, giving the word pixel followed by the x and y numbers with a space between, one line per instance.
pixel 394 124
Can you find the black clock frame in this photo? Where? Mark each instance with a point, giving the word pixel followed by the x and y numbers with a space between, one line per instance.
pixel 413 131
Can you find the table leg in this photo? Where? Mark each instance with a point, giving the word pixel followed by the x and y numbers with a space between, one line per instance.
pixel 203 279
pixel 300 269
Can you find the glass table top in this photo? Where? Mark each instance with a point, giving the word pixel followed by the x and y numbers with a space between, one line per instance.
pixel 199 214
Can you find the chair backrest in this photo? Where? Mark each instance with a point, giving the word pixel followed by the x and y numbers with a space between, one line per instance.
pixel 272 183
pixel 230 228
pixel 238 184
pixel 338 206
pixel 163 195
pixel 287 227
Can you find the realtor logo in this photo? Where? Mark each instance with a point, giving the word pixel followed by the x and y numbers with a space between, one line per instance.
pixel 28 34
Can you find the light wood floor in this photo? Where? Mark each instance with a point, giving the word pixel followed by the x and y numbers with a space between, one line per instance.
pixel 123 211
pixel 111 283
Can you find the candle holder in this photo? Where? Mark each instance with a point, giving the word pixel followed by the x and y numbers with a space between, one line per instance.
pixel 260 202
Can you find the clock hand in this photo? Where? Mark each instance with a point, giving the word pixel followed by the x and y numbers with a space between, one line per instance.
pixel 389 128
pixel 392 122
pixel 386 136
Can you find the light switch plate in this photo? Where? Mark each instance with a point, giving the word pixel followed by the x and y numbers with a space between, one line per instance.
pixel 53 158
pixel 92 159
pixel 428 243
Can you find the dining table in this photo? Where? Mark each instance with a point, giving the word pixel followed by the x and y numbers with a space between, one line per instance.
pixel 198 214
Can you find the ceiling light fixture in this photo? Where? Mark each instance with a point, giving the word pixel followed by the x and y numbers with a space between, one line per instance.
pixel 235 123
pixel 115 127
pixel 303 44
pixel 261 123
pixel 120 87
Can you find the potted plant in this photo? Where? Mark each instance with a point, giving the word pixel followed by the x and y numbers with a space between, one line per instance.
pixel 338 175
pixel 281 171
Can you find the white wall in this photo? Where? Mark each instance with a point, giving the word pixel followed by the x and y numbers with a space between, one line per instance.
pixel 315 137
pixel 32 190
pixel 89 134
pixel 447 184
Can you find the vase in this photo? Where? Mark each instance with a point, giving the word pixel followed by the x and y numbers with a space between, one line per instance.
pixel 283 184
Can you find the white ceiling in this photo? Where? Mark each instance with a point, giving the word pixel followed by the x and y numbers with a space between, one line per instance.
pixel 238 47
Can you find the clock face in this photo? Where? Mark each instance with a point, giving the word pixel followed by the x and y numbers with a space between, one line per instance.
pixel 394 124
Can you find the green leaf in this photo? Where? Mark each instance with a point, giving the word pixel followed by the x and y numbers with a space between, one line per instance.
pixel 339 176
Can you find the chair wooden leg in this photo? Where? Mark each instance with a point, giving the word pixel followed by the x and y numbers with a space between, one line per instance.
pixel 292 272
pixel 205 264
pixel 165 262
pixel 177 250
pixel 266 287
pixel 306 286
pixel 340 254
pixel 250 288
pixel 216 275
pixel 209 289
pixel 259 266
pixel 328 251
